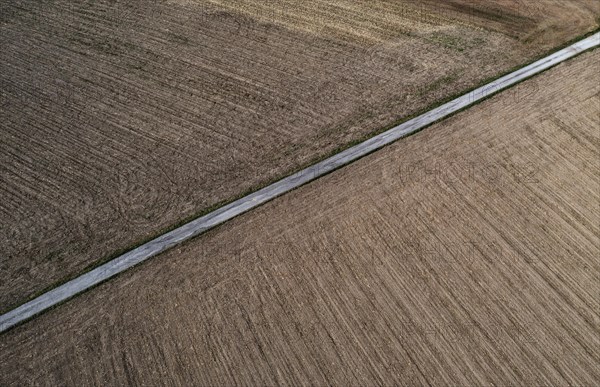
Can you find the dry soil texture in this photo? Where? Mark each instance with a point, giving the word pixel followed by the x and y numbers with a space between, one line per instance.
pixel 120 119
pixel 465 255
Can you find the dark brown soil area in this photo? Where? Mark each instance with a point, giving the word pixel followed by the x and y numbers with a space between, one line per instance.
pixel 121 119
pixel 465 255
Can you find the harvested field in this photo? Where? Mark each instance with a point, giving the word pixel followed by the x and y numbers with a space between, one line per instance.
pixel 120 119
pixel 544 22
pixel 466 254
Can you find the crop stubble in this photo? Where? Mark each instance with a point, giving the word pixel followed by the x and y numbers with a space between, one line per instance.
pixel 463 255
pixel 120 119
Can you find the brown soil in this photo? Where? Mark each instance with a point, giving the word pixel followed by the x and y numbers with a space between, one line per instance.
pixel 120 119
pixel 466 254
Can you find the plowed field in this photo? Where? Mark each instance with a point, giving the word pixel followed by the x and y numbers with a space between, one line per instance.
pixel 465 255
pixel 120 119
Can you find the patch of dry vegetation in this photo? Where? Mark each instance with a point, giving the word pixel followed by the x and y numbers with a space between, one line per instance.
pixel 120 119
pixel 466 254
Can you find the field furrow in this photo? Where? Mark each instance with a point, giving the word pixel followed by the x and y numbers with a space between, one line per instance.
pixel 122 119
pixel 466 254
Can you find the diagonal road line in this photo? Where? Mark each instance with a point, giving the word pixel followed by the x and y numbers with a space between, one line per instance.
pixel 238 207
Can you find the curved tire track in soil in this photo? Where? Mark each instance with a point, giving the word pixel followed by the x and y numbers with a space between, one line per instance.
pixel 221 215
